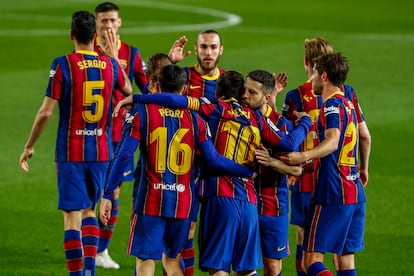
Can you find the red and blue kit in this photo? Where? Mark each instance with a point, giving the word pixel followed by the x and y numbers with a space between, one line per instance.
pixel 271 186
pixel 201 85
pixel 168 139
pixel 237 132
pixel 338 175
pixel 303 99
pixel 132 63
pixel 83 82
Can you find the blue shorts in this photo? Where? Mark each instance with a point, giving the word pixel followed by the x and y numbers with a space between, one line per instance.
pixel 80 184
pixel 195 207
pixel 150 236
pixel 128 174
pixel 300 204
pixel 229 235
pixel 335 228
pixel 274 236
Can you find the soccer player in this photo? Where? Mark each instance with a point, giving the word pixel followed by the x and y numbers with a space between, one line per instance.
pixel 81 83
pixel 168 139
pixel 203 76
pixel 303 99
pixel 335 222
pixel 202 82
pixel 230 201
pixel 108 19
pixel 271 187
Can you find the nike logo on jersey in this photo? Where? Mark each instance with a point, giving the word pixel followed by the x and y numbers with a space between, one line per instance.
pixel 194 86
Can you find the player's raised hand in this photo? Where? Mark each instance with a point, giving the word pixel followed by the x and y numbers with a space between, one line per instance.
pixel 176 53
pixel 109 45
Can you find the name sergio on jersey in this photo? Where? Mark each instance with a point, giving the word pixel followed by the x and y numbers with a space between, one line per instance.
pixel 169 187
pixel 95 63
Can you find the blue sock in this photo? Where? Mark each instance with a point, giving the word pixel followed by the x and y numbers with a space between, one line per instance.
pixel 187 258
pixel 299 257
pixel 73 252
pixel 318 269
pixel 90 234
pixel 350 272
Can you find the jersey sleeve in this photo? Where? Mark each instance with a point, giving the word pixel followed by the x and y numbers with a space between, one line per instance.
pixel 120 78
pixel 56 81
pixel 282 141
pixel 291 103
pixel 331 112
pixel 139 71
pixel 125 153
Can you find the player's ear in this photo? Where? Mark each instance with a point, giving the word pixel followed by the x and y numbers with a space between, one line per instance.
pixel 182 92
pixel 221 49
pixel 71 36
pixel 325 76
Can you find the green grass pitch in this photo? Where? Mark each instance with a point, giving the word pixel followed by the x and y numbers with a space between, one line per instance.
pixel 376 36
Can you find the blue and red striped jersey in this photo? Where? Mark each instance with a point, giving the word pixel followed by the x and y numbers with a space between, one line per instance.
pixel 271 186
pixel 237 132
pixel 338 176
pixel 168 140
pixel 132 63
pixel 303 99
pixel 201 85
pixel 82 83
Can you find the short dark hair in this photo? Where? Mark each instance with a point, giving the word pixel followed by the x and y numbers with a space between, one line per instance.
pixel 230 84
pixel 211 31
pixel 83 26
pixel 172 78
pixel 335 65
pixel 265 78
pixel 106 7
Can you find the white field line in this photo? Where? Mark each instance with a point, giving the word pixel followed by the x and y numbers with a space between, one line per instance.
pixel 225 20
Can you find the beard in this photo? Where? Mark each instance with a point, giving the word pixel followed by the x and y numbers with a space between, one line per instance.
pixel 208 66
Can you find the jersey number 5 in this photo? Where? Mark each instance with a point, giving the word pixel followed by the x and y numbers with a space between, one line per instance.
pixel 94 101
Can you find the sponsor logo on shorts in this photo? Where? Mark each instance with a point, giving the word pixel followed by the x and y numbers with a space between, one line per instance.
pixel 281 248
pixel 127 173
pixel 170 187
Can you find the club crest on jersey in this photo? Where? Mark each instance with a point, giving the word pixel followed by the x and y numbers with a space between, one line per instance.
pixel 128 118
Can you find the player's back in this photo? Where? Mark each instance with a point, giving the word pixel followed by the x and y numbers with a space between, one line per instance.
pixel 236 135
pixel 82 82
pixel 168 138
